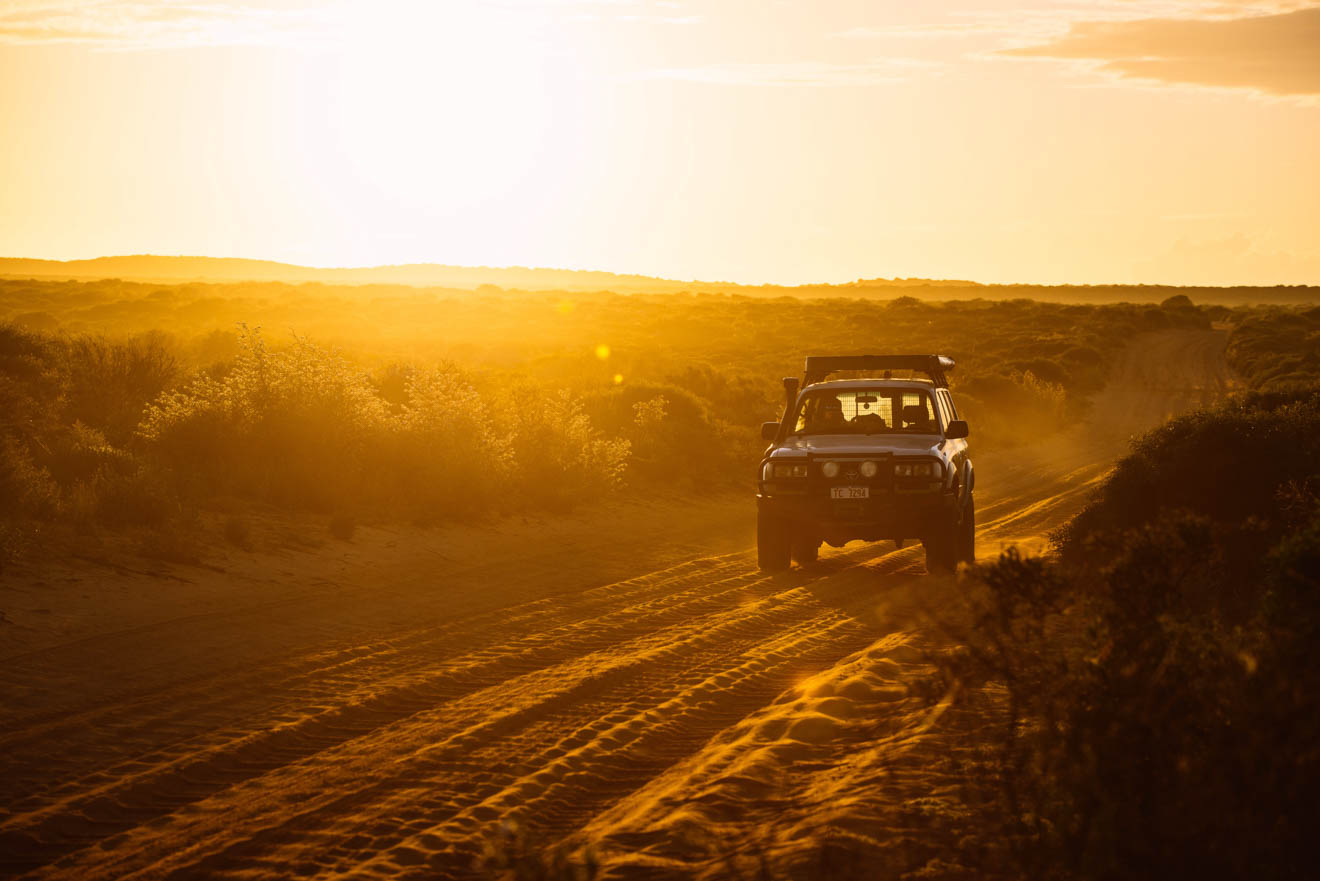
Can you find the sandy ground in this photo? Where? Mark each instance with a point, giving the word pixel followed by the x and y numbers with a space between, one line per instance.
pixel 624 676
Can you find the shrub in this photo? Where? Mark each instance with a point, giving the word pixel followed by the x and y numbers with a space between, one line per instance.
pixel 1227 464
pixel 109 384
pixel 449 459
pixel 558 455
pixel 1009 408
pixel 1159 680
pixel 672 434
pixel 140 497
pixel 291 426
pixel 1277 347
pixel 13 542
pixel 26 490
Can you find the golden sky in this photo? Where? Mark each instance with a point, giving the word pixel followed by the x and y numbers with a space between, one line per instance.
pixel 789 141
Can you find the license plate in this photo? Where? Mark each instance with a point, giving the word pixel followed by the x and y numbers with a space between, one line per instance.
pixel 850 492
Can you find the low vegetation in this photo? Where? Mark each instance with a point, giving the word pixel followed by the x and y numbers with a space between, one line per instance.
pixel 1277 347
pixel 129 406
pixel 1159 679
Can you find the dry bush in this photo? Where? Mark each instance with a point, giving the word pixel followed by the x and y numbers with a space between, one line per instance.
pixel 14 541
pixel 534 418
pixel 674 436
pixel 305 427
pixel 291 426
pixel 447 456
pixel 26 489
pixel 109 383
pixel 1277 347
pixel 1160 680
pixel 558 456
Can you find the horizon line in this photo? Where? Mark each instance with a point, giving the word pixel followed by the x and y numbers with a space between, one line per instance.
pixel 896 280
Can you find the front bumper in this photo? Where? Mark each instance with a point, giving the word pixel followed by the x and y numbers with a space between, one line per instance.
pixel 887 514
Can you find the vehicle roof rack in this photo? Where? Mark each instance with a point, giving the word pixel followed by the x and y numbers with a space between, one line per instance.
pixel 935 366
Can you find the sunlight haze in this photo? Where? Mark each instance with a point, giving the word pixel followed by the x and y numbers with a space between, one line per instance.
pixel 790 142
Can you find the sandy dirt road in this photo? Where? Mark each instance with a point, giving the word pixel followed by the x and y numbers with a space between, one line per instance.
pixel 625 676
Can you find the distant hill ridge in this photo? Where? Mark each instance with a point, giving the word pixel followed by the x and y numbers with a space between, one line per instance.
pixel 174 270
pixel 151 267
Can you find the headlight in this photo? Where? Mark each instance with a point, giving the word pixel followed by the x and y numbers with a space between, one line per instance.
pixel 782 470
pixel 914 469
pixel 830 469
pixel 868 468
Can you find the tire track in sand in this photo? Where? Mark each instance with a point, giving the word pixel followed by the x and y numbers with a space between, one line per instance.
pixel 389 755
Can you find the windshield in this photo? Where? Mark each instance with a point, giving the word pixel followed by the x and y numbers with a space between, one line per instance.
pixel 866 411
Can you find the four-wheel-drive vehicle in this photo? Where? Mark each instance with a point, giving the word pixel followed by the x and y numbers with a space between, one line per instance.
pixel 874 459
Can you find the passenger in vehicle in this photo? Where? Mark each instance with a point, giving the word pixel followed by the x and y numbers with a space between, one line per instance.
pixel 915 418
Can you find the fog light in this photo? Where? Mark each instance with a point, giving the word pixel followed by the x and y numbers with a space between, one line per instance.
pixel 830 469
pixel 869 468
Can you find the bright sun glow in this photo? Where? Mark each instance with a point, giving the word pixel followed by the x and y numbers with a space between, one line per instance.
pixel 448 110
pixel 1008 140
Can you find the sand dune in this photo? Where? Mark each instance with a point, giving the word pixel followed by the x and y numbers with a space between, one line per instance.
pixel 624 677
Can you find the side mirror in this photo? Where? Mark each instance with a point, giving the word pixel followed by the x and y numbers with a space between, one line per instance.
pixel 769 430
pixel 957 429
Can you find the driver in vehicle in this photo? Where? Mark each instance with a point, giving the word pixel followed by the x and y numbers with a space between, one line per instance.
pixel 829 415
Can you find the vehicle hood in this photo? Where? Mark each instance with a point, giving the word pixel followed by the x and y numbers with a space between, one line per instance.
pixel 863 444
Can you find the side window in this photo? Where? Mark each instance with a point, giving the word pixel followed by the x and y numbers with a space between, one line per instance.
pixel 946 406
pixel 942 407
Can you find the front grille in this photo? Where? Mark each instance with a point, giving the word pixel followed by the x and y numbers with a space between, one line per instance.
pixel 849 475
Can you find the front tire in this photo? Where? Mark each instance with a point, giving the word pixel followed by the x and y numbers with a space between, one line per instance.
pixel 773 543
pixel 805 549
pixel 941 550
pixel 967 532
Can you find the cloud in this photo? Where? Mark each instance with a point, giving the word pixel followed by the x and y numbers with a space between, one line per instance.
pixel 156 23
pixel 1277 54
pixel 797 73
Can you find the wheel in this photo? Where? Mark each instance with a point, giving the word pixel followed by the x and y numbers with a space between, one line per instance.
pixel 805 549
pixel 941 550
pixel 773 548
pixel 967 532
